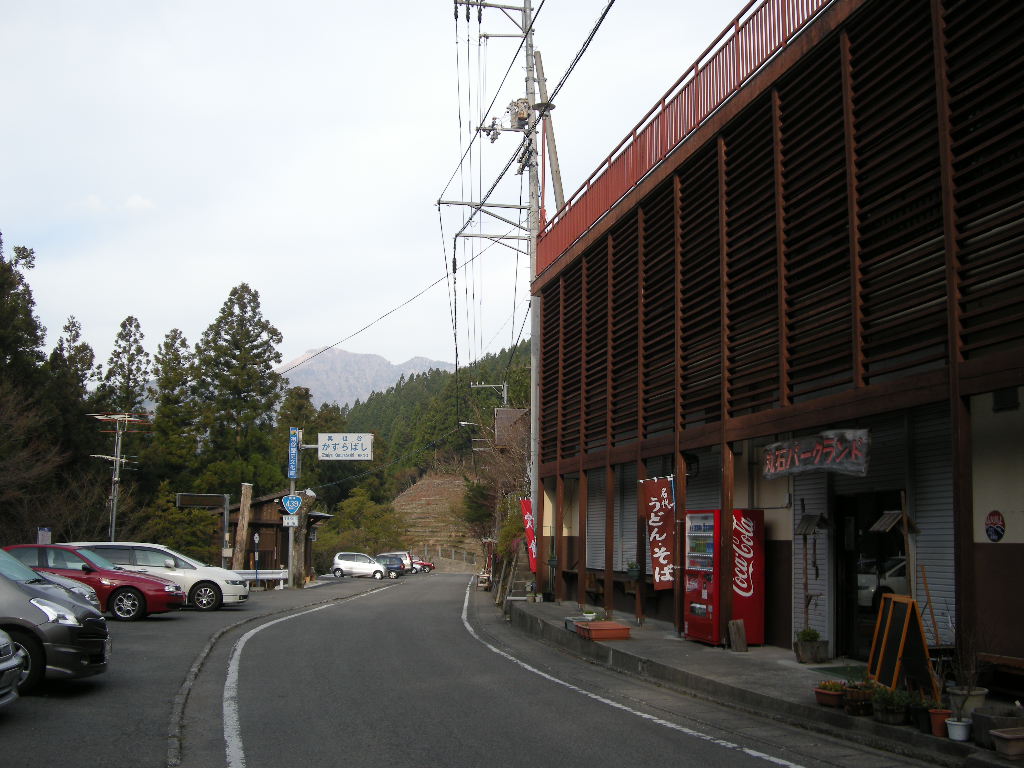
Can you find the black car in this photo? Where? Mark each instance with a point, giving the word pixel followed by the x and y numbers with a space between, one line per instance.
pixel 393 564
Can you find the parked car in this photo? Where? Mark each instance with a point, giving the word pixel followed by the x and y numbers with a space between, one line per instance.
pixel 58 636
pixel 356 564
pixel 406 558
pixel 126 595
pixel 77 589
pixel 393 564
pixel 208 587
pixel 422 566
pixel 11 661
pixel 875 578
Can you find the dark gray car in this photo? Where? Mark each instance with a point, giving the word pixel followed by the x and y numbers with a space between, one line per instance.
pixel 62 637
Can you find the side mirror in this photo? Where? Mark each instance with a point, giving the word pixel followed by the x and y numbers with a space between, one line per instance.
pixel 86 568
pixel 168 563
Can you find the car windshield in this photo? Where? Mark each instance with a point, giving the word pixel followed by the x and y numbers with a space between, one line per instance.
pixel 99 560
pixel 14 569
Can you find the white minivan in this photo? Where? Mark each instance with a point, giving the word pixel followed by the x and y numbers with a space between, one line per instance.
pixel 208 587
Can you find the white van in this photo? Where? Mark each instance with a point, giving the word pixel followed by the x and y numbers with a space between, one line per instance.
pixel 207 586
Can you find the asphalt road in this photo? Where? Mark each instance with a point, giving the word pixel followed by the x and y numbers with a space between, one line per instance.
pixel 417 672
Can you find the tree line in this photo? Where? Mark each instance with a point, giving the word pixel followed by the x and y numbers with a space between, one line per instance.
pixel 212 415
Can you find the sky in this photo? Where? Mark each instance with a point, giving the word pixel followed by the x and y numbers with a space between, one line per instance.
pixel 157 154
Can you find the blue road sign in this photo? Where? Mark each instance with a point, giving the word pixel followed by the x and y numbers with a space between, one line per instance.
pixel 294 436
pixel 291 504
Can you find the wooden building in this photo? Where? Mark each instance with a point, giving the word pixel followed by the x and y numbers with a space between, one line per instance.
pixel 821 227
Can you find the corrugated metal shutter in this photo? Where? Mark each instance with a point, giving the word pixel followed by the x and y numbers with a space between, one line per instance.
pixel 810 496
pixel 625 516
pixel 931 507
pixel 705 490
pixel 887 466
pixel 595 518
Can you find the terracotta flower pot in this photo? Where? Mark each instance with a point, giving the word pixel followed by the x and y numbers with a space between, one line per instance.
pixel 939 717
pixel 828 698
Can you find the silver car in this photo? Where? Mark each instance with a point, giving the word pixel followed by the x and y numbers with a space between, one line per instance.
pixel 11 663
pixel 356 564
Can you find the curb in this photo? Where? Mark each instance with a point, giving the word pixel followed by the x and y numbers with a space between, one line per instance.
pixel 864 731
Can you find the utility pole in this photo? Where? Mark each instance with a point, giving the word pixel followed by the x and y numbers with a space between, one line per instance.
pixel 121 422
pixel 525 114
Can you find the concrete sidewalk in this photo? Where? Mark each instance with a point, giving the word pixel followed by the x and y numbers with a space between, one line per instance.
pixel 766 680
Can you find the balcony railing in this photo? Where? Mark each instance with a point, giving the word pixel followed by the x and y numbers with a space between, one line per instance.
pixel 762 29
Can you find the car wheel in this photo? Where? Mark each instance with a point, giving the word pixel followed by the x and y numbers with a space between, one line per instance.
pixel 392 574
pixel 206 596
pixel 378 575
pixel 127 604
pixel 338 573
pixel 34 663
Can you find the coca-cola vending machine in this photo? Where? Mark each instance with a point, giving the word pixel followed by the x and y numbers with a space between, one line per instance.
pixel 703 572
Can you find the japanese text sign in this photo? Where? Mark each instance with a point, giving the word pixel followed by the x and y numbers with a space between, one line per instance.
pixel 337 446
pixel 659 500
pixel 531 532
pixel 839 450
pixel 294 443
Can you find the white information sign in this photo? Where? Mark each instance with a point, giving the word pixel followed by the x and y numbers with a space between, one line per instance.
pixel 290 521
pixel 345 446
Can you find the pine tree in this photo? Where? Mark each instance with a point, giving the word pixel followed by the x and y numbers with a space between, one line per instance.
pixel 21 334
pixel 171 455
pixel 128 370
pixel 238 391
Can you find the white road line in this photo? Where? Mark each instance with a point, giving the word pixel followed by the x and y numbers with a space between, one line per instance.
pixel 232 727
pixel 617 705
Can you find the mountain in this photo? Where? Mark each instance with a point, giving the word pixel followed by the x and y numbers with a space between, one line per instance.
pixel 344 377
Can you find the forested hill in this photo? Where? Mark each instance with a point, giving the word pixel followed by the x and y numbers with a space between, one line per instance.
pixel 416 422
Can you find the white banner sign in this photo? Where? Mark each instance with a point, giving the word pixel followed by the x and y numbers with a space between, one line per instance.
pixel 348 446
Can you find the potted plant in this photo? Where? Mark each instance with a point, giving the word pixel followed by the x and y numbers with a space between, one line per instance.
pixel 633 569
pixel 857 695
pixel 966 695
pixel 917 711
pixel 829 693
pixel 809 647
pixel 939 716
pixel 889 705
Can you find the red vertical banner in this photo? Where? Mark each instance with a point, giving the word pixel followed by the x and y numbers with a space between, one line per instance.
pixel 658 498
pixel 531 532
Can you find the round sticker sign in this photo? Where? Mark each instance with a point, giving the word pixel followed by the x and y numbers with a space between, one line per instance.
pixel 995 525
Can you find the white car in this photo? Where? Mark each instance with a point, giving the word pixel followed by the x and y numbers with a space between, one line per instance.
pixel 207 586
pixel 356 564
pixel 875 579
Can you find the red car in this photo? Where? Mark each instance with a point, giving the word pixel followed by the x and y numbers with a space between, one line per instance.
pixel 126 595
pixel 421 566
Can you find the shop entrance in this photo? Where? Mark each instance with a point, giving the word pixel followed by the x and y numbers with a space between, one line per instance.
pixel 867 565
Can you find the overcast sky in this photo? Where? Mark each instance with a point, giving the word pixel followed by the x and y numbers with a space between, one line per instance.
pixel 156 154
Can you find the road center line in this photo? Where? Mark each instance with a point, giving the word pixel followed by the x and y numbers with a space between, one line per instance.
pixel 616 705
pixel 232 727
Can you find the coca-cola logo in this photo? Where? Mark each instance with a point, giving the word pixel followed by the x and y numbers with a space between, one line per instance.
pixel 743 555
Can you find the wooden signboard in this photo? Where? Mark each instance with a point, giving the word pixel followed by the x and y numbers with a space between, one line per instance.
pixel 899 651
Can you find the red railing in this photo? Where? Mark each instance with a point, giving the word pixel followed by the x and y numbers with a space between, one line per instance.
pixel 761 29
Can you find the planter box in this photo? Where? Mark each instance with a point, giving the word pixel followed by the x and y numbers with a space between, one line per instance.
pixel 1009 742
pixel 828 698
pixel 602 630
pixel 811 651
pixel 890 716
pixel 857 701
pixel 995 718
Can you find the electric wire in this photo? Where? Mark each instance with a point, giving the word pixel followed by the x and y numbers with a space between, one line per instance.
pixel 512 63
